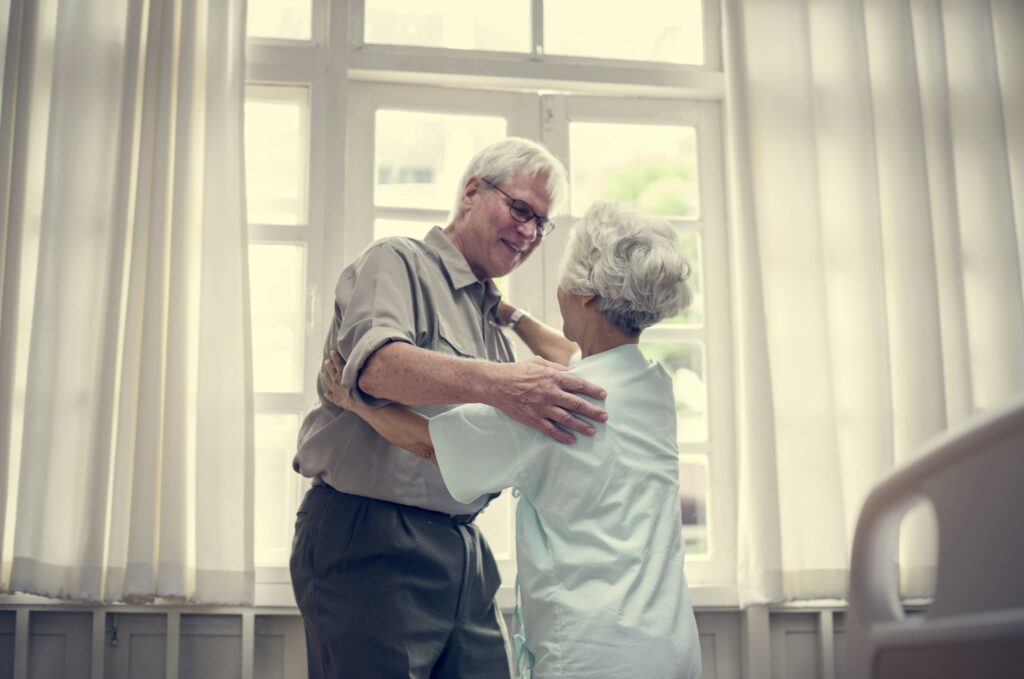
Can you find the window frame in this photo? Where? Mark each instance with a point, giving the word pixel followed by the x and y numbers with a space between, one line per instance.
pixel 334 69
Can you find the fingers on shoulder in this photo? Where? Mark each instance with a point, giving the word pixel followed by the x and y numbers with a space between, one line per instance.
pixel 548 428
pixel 581 386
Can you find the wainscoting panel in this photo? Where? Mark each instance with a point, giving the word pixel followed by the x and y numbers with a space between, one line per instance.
pixel 280 647
pixel 60 645
pixel 211 646
pixel 719 644
pixel 7 644
pixel 135 646
pixel 794 642
pixel 839 627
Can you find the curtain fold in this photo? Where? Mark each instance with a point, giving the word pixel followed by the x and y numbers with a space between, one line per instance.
pixel 125 362
pixel 876 202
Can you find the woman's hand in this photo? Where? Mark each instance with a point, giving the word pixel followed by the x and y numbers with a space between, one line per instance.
pixel 330 380
pixel 397 424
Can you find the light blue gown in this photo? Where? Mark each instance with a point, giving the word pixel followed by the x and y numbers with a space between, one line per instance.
pixel 598 541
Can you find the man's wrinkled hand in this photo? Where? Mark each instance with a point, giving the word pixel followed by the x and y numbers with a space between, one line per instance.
pixel 543 395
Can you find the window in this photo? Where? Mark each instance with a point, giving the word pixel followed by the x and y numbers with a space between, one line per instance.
pixel 642 30
pixel 360 127
pixel 458 24
pixel 280 19
pixel 656 166
pixel 277 150
pixel 666 156
pixel 670 31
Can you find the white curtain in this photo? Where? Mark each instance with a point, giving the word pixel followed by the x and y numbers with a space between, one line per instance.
pixel 126 407
pixel 877 227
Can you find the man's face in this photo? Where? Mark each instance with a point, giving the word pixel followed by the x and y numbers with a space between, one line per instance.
pixel 491 240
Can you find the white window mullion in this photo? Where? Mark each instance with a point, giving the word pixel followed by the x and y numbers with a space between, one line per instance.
pixel 525 120
pixel 712 12
pixel 356 14
pixel 554 134
pixel 537 27
pixel 357 232
pixel 718 322
pixel 321 162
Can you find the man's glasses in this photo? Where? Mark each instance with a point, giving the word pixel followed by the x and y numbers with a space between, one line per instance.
pixel 522 212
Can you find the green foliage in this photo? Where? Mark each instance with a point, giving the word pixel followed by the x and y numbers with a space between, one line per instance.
pixel 665 186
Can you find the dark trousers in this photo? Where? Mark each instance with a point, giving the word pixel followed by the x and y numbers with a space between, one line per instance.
pixel 387 590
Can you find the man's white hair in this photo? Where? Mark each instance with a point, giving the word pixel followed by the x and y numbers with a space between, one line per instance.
pixel 501 161
pixel 632 261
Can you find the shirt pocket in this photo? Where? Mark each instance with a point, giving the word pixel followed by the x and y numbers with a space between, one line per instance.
pixel 449 342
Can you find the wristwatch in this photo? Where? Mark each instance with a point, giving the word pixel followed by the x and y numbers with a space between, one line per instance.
pixel 514 318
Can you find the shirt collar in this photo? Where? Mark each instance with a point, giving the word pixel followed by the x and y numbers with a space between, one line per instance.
pixel 453 261
pixel 623 352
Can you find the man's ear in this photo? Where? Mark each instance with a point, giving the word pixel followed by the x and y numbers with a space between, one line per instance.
pixel 589 299
pixel 470 190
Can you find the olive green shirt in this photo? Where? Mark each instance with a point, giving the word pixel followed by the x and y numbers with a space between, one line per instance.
pixel 399 290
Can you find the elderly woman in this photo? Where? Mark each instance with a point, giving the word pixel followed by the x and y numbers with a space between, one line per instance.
pixel 599 548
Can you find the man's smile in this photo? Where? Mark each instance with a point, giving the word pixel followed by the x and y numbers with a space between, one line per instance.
pixel 516 249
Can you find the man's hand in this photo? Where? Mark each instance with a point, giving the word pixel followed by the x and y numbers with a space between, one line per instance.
pixel 541 394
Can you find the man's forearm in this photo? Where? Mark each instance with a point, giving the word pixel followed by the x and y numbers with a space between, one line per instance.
pixel 537 392
pixel 408 374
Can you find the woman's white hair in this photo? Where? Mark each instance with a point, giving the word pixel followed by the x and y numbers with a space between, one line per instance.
pixel 632 261
pixel 503 160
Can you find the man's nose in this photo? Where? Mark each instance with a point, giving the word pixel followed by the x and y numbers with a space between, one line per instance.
pixel 529 229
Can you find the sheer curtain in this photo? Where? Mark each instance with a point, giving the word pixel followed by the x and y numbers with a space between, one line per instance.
pixel 126 407
pixel 877 224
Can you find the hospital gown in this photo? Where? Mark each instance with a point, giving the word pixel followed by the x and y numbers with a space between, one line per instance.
pixel 599 547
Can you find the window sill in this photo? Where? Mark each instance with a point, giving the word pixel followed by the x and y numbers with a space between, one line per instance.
pixel 275 598
pixel 274 593
pixel 273 588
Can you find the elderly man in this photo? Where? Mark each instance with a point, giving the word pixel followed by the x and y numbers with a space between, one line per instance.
pixel 390 574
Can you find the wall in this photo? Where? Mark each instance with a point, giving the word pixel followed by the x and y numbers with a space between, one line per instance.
pixel 136 642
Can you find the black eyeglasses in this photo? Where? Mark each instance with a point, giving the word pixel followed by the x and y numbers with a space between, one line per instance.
pixel 522 212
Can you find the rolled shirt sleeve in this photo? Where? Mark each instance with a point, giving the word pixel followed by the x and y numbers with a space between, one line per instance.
pixel 375 300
